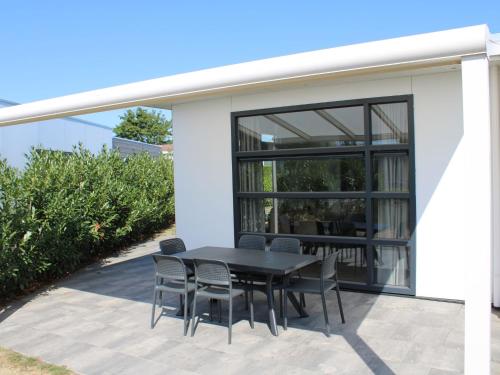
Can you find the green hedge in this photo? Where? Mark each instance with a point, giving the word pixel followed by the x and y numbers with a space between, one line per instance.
pixel 66 209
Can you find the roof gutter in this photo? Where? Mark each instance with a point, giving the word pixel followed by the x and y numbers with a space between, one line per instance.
pixel 440 46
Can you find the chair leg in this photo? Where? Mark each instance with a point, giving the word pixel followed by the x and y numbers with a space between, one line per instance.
pixel 285 309
pixel 180 301
pixel 219 302
pixel 193 315
pixel 186 321
pixel 327 324
pixel 153 312
pixel 302 300
pixel 251 309
pixel 246 295
pixel 230 324
pixel 337 289
pixel 281 303
pixel 210 306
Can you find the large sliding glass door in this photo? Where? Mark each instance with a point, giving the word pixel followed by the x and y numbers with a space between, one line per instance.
pixel 335 175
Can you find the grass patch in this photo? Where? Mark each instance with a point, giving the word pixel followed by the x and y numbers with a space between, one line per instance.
pixel 12 363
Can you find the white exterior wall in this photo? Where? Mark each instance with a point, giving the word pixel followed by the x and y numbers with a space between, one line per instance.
pixel 495 176
pixel 202 173
pixel 60 134
pixel 203 167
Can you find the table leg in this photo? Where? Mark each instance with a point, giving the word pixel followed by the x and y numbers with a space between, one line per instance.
pixel 297 305
pixel 270 305
pixel 180 312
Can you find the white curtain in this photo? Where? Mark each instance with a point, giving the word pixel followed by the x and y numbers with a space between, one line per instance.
pixel 392 262
pixel 391 172
pixel 392 265
pixel 251 180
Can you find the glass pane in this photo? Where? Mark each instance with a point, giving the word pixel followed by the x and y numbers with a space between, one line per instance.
pixel 392 265
pixel 391 219
pixel 317 128
pixel 390 172
pixel 352 265
pixel 335 173
pixel 256 215
pixel 389 123
pixel 324 217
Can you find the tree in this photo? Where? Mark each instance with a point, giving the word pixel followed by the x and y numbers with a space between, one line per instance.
pixel 145 126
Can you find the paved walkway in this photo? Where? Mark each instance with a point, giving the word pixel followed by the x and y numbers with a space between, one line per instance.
pixel 97 322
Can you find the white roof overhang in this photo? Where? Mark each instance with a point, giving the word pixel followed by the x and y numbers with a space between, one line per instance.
pixel 441 47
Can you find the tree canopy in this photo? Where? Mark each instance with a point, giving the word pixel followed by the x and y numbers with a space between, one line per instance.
pixel 144 125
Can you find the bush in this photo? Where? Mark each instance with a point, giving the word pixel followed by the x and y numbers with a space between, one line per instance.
pixel 67 209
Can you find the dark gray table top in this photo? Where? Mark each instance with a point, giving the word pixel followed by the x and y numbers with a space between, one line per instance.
pixel 256 261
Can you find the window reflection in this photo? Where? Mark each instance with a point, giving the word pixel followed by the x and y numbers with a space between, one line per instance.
pixel 389 123
pixel 323 217
pixel 332 127
pixel 335 173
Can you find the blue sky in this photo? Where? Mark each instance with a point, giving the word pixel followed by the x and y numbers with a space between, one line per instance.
pixel 52 48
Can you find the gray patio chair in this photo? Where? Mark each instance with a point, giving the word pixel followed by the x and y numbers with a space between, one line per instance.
pixel 287 245
pixel 171 276
pixel 172 246
pixel 213 281
pixel 252 242
pixel 327 280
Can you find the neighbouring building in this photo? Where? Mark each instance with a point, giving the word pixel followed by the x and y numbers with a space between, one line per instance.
pixel 128 147
pixel 55 134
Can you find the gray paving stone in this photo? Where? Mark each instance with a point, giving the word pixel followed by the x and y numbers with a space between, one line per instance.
pixel 97 322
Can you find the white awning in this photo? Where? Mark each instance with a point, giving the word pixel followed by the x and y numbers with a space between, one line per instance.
pixel 437 47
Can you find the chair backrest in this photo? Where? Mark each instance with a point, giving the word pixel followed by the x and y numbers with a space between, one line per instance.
pixel 212 272
pixel 170 267
pixel 253 242
pixel 172 246
pixel 329 265
pixel 286 245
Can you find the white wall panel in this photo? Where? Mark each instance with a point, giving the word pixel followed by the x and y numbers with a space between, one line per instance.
pixel 442 222
pixel 203 175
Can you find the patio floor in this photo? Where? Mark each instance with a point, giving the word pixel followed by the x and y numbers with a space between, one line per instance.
pixel 97 322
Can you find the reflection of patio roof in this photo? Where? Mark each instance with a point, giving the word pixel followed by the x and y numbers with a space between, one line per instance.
pixel 293 129
pixel 431 49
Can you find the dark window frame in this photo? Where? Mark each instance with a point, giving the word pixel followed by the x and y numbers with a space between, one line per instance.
pixel 367 150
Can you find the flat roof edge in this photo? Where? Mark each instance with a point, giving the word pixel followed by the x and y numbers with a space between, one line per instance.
pixel 436 46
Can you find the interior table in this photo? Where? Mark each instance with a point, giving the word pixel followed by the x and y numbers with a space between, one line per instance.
pixel 270 264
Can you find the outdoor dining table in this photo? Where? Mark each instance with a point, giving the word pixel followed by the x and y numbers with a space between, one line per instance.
pixel 258 262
